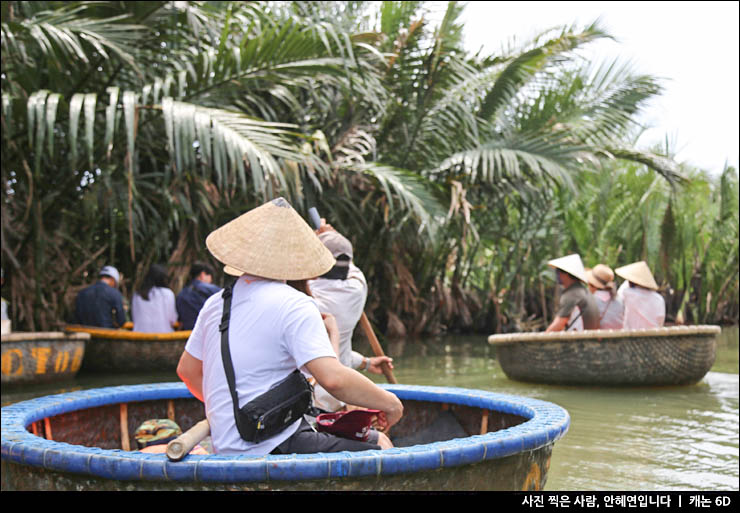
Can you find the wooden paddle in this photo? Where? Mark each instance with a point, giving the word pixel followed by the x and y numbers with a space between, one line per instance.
pixel 364 321
pixel 178 448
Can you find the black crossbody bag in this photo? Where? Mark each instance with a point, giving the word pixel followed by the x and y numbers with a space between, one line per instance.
pixel 273 411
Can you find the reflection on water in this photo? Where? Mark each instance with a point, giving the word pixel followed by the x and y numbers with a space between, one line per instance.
pixel 664 438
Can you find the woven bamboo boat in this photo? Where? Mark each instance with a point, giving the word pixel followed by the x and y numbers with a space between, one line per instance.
pixel 111 350
pixel 41 357
pixel 678 355
pixel 448 439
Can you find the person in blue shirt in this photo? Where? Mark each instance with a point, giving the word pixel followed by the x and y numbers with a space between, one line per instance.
pixel 191 298
pixel 101 304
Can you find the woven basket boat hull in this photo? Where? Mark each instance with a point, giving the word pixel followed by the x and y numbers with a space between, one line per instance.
pixel 680 355
pixel 41 357
pixel 500 442
pixel 110 350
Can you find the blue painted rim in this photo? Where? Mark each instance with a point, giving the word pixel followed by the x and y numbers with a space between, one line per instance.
pixel 547 423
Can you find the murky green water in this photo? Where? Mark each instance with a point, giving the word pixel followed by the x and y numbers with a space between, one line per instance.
pixel 667 438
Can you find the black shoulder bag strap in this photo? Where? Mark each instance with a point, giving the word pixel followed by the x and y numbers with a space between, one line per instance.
pixel 226 353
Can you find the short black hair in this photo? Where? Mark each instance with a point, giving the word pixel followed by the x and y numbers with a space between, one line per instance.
pixel 199 267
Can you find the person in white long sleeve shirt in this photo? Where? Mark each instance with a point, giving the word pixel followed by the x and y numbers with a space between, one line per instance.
pixel 342 292
pixel 644 307
pixel 601 284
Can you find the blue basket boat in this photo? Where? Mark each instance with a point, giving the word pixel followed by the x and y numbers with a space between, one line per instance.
pixel 448 439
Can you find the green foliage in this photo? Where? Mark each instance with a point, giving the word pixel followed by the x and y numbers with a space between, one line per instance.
pixel 131 129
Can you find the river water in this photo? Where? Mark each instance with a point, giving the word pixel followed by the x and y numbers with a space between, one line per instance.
pixel 647 439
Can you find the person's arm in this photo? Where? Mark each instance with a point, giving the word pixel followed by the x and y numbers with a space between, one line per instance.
pixel 190 371
pixel 120 312
pixel 558 324
pixel 350 386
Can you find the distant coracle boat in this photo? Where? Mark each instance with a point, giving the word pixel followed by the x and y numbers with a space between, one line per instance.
pixel 447 439
pixel 112 350
pixel 677 355
pixel 41 357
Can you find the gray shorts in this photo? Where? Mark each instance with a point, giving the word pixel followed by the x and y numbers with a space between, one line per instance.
pixel 307 440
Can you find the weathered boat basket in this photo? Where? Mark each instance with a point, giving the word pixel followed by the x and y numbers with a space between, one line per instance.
pixel 111 350
pixel 677 355
pixel 84 432
pixel 41 357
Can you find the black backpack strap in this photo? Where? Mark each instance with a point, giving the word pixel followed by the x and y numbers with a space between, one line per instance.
pixel 226 353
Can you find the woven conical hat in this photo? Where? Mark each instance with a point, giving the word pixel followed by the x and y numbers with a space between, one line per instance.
pixel 571 264
pixel 601 276
pixel 271 241
pixel 639 274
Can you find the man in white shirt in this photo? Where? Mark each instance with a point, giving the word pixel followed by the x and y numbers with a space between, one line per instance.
pixel 342 292
pixel 643 307
pixel 273 330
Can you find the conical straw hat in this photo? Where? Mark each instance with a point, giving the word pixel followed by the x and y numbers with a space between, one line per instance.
pixel 601 276
pixel 639 274
pixel 271 241
pixel 571 264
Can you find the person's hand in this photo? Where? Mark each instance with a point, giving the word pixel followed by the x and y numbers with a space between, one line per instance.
pixel 375 363
pixel 324 227
pixel 387 419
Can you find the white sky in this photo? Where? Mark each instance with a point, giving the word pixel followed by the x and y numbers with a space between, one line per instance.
pixel 692 45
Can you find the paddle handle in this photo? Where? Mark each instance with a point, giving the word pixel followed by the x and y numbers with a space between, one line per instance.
pixel 178 448
pixel 370 334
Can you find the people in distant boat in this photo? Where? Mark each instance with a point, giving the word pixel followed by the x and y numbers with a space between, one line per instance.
pixel 601 285
pixel 4 317
pixel 269 331
pixel 191 298
pixel 577 310
pixel 153 305
pixel 342 292
pixel 644 307
pixel 101 304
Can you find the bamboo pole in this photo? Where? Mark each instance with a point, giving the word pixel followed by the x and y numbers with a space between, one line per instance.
pixel 376 347
pixel 178 448
pixel 125 444
pixel 484 423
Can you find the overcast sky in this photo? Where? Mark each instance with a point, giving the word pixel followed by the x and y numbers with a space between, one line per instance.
pixel 692 45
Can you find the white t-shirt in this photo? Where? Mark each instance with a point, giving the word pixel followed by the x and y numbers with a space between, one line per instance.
pixel 158 314
pixel 345 300
pixel 643 308
pixel 611 311
pixel 274 329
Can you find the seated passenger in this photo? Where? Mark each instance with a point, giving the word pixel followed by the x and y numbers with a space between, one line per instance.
pixel 191 298
pixel 601 284
pixel 644 307
pixel 101 304
pixel 271 330
pixel 576 303
pixel 153 305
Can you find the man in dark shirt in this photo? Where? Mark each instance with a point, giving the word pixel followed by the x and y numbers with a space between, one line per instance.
pixel 572 276
pixel 101 304
pixel 191 298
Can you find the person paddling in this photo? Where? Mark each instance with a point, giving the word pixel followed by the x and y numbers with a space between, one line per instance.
pixel 576 303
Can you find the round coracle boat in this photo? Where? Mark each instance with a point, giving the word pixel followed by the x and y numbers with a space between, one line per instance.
pixel 41 357
pixel 677 355
pixel 447 439
pixel 122 350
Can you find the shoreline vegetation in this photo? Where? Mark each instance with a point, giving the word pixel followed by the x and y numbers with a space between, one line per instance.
pixel 131 129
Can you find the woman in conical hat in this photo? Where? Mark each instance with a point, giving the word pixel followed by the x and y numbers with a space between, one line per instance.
pixel 601 284
pixel 644 307
pixel 577 306
pixel 272 330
